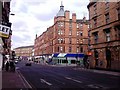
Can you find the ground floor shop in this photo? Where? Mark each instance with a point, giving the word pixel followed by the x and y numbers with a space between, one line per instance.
pixel 67 58
pixel 106 57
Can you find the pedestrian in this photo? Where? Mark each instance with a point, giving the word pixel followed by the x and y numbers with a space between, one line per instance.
pixel 7 66
pixel 87 64
pixel 85 61
pixel 12 66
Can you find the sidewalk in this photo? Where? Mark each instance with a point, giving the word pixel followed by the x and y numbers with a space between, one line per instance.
pixel 100 71
pixel 13 81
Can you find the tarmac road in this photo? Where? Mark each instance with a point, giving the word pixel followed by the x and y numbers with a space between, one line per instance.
pixel 45 77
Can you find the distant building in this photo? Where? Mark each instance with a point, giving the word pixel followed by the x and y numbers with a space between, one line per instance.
pixel 65 36
pixel 105 34
pixel 24 51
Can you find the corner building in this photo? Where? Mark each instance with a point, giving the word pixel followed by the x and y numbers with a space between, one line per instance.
pixel 105 34
pixel 65 36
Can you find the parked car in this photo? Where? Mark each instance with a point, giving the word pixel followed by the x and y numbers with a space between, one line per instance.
pixel 28 63
pixel 16 61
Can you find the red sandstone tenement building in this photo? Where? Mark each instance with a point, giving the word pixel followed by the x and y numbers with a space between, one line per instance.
pixel 64 36
pixel 105 34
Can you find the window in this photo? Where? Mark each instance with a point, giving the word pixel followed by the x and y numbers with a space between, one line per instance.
pixel 77 49
pixel 77 40
pixel 77 25
pixel 107 33
pixel 81 41
pixel 95 22
pixel 95 9
pixel 117 28
pixel 118 11
pixel 60 40
pixel 61 49
pixel 106 5
pixel 95 37
pixel 70 40
pixel 58 49
pixel 81 25
pixel 70 49
pixel 107 36
pixel 70 25
pixel 81 49
pixel 60 24
pixel 70 32
pixel 77 33
pixel 107 18
pixel 60 32
pixel 81 34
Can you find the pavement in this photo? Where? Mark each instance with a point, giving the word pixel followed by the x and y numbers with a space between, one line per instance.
pixel 100 71
pixel 14 81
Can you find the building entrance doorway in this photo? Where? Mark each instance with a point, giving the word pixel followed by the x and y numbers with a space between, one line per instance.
pixel 108 58
pixel 96 57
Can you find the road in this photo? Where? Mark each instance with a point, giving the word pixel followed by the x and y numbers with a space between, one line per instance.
pixel 56 78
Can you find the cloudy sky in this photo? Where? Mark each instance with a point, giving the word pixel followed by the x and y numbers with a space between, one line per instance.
pixel 35 16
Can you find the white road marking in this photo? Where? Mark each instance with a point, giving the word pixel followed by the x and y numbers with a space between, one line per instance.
pixel 96 86
pixel 43 81
pixel 24 80
pixel 74 80
pixel 17 68
pixel 92 86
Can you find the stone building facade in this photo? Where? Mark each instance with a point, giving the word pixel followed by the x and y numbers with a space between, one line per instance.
pixel 5 31
pixel 64 36
pixel 24 51
pixel 5 26
pixel 105 34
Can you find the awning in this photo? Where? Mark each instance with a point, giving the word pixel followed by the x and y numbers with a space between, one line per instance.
pixel 75 55
pixel 55 55
pixel 68 55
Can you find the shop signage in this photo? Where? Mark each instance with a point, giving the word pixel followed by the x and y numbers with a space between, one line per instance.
pixel 4 31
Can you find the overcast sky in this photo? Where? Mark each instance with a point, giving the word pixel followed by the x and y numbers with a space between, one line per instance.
pixel 35 16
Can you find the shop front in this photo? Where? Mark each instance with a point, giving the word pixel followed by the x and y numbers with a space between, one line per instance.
pixel 65 58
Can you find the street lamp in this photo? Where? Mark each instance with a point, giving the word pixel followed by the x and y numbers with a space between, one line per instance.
pixel 12 14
